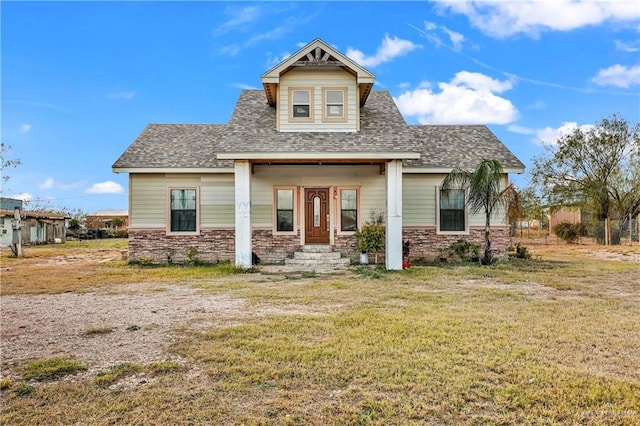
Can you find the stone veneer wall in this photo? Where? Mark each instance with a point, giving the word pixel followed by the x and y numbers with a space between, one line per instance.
pixel 273 248
pixel 425 243
pixel 345 244
pixel 213 245
pixel 217 245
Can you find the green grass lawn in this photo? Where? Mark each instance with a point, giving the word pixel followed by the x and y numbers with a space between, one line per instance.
pixel 523 342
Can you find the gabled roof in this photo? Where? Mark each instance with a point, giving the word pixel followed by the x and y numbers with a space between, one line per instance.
pixel 252 132
pixel 317 54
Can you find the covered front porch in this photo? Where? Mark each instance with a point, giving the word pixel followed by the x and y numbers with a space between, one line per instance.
pixel 318 202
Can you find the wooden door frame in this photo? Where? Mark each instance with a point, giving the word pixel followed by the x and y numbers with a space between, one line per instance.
pixel 303 212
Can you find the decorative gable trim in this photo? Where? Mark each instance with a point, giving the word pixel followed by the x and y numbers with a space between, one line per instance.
pixel 317 54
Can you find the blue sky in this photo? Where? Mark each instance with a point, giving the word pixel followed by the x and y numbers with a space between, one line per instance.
pixel 80 80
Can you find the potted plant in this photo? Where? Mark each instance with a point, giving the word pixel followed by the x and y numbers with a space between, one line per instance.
pixel 371 237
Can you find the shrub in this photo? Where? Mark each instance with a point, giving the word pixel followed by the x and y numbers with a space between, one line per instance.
pixel 461 250
pixel 192 256
pixel 520 252
pixel 371 237
pixel 569 232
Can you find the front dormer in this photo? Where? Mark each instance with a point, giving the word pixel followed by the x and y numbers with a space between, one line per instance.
pixel 317 89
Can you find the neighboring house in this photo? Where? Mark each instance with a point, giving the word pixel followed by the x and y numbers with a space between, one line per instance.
pixel 7 206
pixel 303 162
pixel 103 219
pixel 37 227
pixel 568 214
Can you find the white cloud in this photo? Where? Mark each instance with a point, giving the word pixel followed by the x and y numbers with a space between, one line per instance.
pixel 431 30
pixel 521 130
pixel 467 99
pixel 47 184
pixel 25 128
pixel 107 187
pixel 550 136
pixel 273 60
pixel 618 75
pixel 390 48
pixel 239 18
pixel 503 19
pixel 631 47
pixel 477 81
pixel 121 95
pixel 244 86
pixel 51 183
pixel 24 196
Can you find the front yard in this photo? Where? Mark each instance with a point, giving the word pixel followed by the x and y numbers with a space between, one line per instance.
pixel 88 339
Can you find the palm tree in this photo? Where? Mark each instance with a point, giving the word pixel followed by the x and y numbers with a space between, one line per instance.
pixel 483 186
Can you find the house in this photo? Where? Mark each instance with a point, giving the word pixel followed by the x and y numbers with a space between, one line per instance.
pixel 104 219
pixel 37 227
pixel 303 162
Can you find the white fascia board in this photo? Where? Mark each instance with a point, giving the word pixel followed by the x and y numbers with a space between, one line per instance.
pixel 318 156
pixel 449 169
pixel 172 170
pixel 366 79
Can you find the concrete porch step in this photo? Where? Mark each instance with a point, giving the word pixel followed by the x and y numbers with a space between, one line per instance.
pixel 307 255
pixel 317 248
pixel 317 257
pixel 318 265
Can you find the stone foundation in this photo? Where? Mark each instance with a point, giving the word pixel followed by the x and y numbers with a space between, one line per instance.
pixel 273 248
pixel 154 245
pixel 426 244
pixel 218 245
pixel 212 245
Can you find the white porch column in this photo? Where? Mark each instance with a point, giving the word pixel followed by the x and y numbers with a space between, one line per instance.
pixel 393 253
pixel 243 213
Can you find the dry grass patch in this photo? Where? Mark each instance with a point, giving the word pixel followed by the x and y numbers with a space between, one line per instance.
pixel 546 341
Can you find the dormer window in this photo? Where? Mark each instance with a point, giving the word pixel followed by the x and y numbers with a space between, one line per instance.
pixel 301 106
pixel 334 105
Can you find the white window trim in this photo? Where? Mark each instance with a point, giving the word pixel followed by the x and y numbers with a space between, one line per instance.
pixel 275 211
pixel 338 199
pixel 466 215
pixel 327 118
pixel 168 211
pixel 311 102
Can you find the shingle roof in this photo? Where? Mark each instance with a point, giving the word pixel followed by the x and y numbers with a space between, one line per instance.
pixel 252 128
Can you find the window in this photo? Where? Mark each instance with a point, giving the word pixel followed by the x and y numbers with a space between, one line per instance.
pixel 284 210
pixel 334 104
pixel 301 103
pixel 348 210
pixel 452 216
pixel 183 209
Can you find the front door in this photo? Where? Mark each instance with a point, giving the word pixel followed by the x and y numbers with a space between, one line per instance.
pixel 316 215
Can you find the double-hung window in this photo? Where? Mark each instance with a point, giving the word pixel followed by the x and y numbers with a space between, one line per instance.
pixel 452 211
pixel 334 106
pixel 348 210
pixel 284 210
pixel 183 210
pixel 301 104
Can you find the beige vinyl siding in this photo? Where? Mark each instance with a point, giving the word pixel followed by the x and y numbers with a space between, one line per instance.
pixel 317 80
pixel 149 198
pixel 368 178
pixel 419 199
pixel 419 202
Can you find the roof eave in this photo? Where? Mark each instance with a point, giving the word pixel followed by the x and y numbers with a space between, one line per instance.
pixel 363 156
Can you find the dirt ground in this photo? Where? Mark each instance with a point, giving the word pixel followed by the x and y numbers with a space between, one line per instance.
pixel 138 322
pixel 128 323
